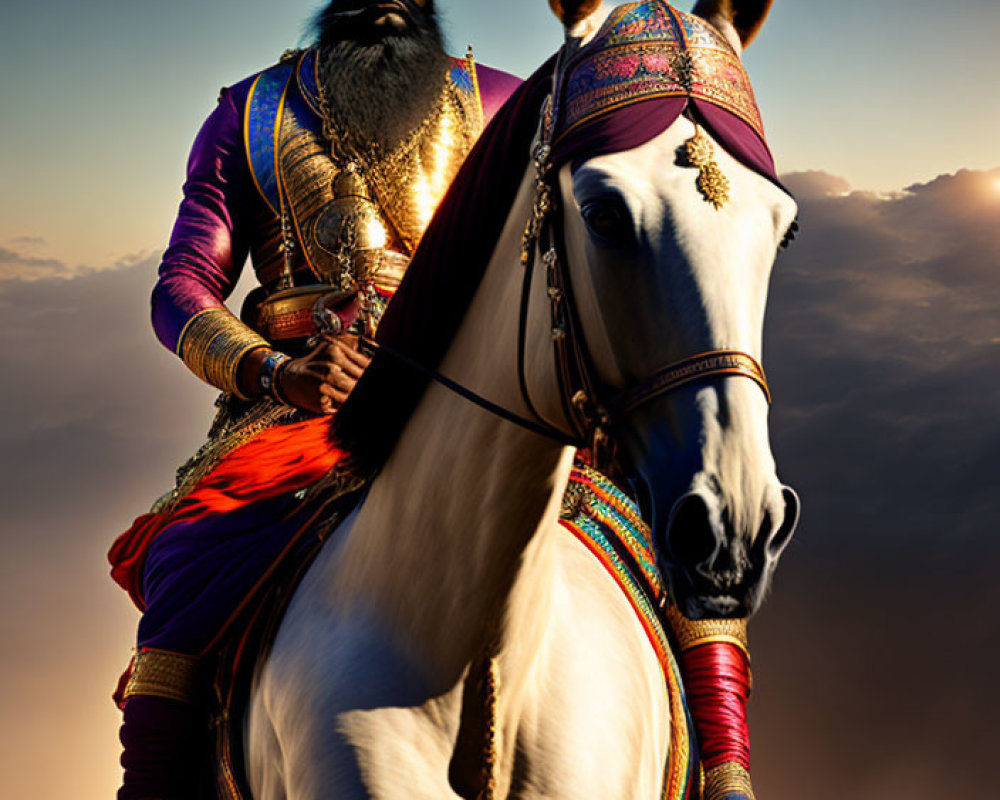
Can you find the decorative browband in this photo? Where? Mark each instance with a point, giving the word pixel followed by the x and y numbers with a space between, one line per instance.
pixel 696 367
pixel 651 50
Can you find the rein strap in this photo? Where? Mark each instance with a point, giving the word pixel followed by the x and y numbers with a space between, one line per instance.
pixel 540 427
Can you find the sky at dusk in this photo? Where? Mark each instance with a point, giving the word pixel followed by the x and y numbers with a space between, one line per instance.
pixel 874 657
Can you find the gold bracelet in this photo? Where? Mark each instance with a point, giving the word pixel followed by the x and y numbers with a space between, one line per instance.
pixel 213 343
pixel 159 673
pixel 691 633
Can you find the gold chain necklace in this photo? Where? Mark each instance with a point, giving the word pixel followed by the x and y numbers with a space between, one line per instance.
pixel 381 173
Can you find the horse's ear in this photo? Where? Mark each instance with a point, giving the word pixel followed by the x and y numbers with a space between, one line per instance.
pixel 738 20
pixel 570 12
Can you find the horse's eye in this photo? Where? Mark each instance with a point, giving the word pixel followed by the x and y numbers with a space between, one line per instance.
pixel 607 222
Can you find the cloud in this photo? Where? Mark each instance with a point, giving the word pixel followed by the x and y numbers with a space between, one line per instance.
pixel 815 183
pixel 882 346
pixel 27 241
pixel 15 265
pixel 97 402
pixel 19 266
pixel 882 333
pixel 96 418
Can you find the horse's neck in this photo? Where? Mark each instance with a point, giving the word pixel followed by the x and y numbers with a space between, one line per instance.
pixel 450 523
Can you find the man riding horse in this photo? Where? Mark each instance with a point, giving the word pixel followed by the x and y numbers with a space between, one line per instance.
pixel 325 168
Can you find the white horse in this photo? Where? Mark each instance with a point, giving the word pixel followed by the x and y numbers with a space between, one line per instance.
pixel 457 550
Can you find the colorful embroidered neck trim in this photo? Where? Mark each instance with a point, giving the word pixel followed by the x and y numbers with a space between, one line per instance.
pixel 608 523
pixel 651 50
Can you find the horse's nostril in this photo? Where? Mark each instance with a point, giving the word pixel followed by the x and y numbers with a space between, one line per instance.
pixel 777 541
pixel 691 538
pixel 764 530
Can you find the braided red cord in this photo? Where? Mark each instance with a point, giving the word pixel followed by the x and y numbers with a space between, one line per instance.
pixel 717 685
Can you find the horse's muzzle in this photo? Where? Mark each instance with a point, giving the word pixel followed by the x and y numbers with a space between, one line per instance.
pixel 715 571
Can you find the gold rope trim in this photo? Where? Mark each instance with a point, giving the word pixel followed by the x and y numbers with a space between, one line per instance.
pixel 228 432
pixel 727 779
pixel 162 674
pixel 479 111
pixel 491 745
pixel 692 633
pixel 212 344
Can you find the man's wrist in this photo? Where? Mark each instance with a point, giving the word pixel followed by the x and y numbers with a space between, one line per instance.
pixel 268 375
pixel 250 371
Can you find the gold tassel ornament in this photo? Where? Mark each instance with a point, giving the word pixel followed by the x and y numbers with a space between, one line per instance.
pixel 712 182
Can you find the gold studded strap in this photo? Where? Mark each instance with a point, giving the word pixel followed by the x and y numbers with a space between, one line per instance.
pixel 692 633
pixel 710 364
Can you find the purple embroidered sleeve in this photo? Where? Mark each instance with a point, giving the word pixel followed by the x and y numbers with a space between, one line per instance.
pixel 209 243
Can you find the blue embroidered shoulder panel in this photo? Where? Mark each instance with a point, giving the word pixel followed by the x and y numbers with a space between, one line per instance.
pixel 260 126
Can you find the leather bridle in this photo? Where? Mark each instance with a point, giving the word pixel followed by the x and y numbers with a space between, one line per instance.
pixel 582 396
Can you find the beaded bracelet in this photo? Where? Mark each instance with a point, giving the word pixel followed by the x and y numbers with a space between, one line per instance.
pixel 268 374
pixel 276 383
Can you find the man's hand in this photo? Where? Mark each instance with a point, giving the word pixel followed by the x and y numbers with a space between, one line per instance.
pixel 321 381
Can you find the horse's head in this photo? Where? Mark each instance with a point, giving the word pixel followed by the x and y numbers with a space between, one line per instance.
pixel 669 245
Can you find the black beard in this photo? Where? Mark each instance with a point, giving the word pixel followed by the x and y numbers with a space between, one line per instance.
pixel 380 82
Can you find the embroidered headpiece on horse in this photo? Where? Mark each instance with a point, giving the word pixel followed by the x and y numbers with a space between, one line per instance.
pixel 617 92
pixel 648 64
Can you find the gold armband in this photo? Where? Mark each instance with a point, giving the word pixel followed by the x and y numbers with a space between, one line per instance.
pixel 691 633
pixel 212 344
pixel 726 779
pixel 162 674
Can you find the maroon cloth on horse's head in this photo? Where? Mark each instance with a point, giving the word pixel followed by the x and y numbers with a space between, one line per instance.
pixel 739 139
pixel 633 125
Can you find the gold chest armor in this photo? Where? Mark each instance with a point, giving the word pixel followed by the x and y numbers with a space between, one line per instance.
pixel 351 220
